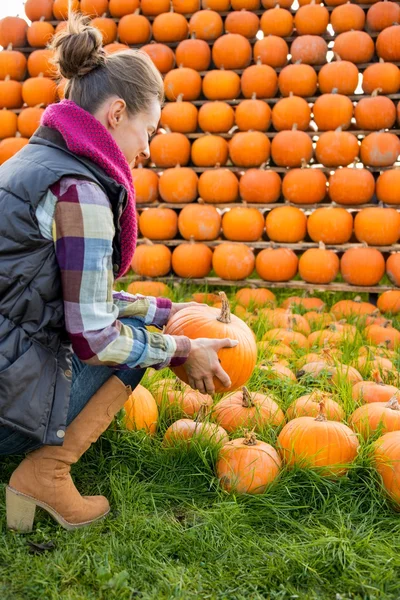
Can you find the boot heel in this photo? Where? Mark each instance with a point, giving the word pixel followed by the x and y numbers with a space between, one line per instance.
pixel 20 511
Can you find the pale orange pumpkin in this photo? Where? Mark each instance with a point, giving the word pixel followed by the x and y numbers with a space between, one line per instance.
pixel 386 454
pixel 351 186
pixel 309 50
pixel 308 406
pixel 373 391
pixel 380 149
pixel 141 411
pixel 271 50
pixel 377 416
pixel 173 396
pixel 185 431
pixel 149 288
pixel 13 31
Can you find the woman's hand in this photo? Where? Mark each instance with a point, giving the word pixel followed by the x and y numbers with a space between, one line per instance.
pixel 203 364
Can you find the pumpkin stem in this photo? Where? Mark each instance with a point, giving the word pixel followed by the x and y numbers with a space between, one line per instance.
pixel 376 92
pixel 247 401
pixel 321 416
pixel 250 438
pixel 225 316
pixel 376 376
pixel 201 413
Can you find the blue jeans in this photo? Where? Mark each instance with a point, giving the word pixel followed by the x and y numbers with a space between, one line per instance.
pixel 86 380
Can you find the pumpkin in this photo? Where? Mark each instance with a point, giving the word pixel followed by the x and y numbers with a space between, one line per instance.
pixel 286 224
pixel 362 266
pixel 377 226
pixel 388 302
pixel 221 85
pixel 117 47
pixel 340 76
pixel 206 298
pixel 305 303
pixel 309 49
pixel 39 9
pixel 61 8
pixel 193 54
pixel 231 51
pixel 174 395
pixel 233 261
pixel 383 76
pixel 149 288
pixel 93 8
pixel 375 113
pixel 13 31
pixel 161 55
pixel 304 186
pixel 378 334
pixel 380 149
pixel 330 225
pixel 245 4
pixel 201 321
pixel 120 8
pixel 354 46
pixel 151 260
pixel 393 269
pixel 210 150
pixel 40 62
pixel 134 30
pixel 141 411
pixel 158 223
pixel 318 265
pixel 336 148
pixel 170 149
pixel 271 50
pixel 272 3
pixel 300 80
pixel 285 319
pixel 255 298
pixel 277 21
pixel 29 121
pixel 291 148
pixel 186 430
pixel 382 15
pixel 388 44
pixel 247 465
pixel 260 186
pixel 347 17
pixel 329 446
pixel 190 260
pixel 318 320
pixel 373 391
pixel 107 27
pixel 388 187
pixel 39 90
pixel 185 6
pixel 277 264
pixel 351 186
pixel 182 82
pixel 201 222
pixel 218 186
pixel 308 406
pixel 287 336
pixel 12 64
pixel 217 5
pixel 39 34
pixel 253 115
pixel 10 146
pixel 291 111
pixel 311 19
pixel 10 94
pixel 216 117
pixel 243 22
pixel 152 8
pixel 179 116
pixel 332 111
pixel 178 185
pixel 241 224
pixel 259 81
pixel 8 124
pixel 249 149
pixel 370 418
pixel 145 182
pixel 206 25
pixel 386 454
pixel 349 308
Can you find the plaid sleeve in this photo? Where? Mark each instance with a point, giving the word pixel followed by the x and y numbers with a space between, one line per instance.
pixel 83 231
pixel 153 311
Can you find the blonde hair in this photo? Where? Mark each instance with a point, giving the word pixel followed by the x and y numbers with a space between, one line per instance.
pixel 93 76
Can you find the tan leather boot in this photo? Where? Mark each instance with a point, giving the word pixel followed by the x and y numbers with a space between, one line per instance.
pixel 43 478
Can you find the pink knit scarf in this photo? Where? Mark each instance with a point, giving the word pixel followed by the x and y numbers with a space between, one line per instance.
pixel 86 136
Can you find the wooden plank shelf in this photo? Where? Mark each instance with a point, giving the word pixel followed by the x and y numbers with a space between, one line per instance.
pixel 267 207
pixel 235 169
pixel 309 100
pixel 272 134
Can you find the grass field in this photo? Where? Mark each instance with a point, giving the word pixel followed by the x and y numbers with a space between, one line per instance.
pixel 173 534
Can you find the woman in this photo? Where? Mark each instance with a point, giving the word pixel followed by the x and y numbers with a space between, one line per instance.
pixel 67 229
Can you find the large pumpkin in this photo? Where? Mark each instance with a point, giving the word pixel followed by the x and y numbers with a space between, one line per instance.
pixel 362 266
pixel 201 321
pixel 387 461
pixel 375 416
pixel 152 260
pixel 233 261
pixel 178 185
pixel 141 411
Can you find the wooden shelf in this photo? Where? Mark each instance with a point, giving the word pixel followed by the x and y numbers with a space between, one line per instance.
pixel 273 168
pixel 267 207
pixel 272 134
pixel 309 99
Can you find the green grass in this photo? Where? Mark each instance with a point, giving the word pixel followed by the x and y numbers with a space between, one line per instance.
pixel 174 534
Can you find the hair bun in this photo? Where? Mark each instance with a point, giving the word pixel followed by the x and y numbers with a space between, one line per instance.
pixel 78 49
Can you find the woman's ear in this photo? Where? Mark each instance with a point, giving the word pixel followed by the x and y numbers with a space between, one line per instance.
pixel 116 113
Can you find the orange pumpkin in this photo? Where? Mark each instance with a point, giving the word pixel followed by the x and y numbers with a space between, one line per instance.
pixel 145 182
pixel 388 44
pixel 134 30
pixel 318 265
pixel 178 185
pixel 259 186
pixel 186 430
pixel 152 8
pixel 243 22
pixel 158 223
pixel 304 186
pixel 94 8
pixel 386 335
pixel 174 396
pixel 8 124
pixel 350 308
pixel 259 81
pixel 39 34
pixel 40 62
pixel 170 149
pixel 141 411
pixel 241 224
pixel 249 149
pixel 231 51
pixel 13 31
pixel 300 80
pixel 194 54
pixel 277 264
pixel 354 46
pixel 210 150
pixel 277 21
pixel 191 260
pixel 39 9
pixel 253 115
pixel 291 148
pixel 206 25
pixel 340 76
pixel 286 224
pixel 186 6
pixel 116 47
pixel 368 419
pixel 347 17
pixel 161 55
pixel 183 82
pixel 233 261
pixel 386 455
pixel 120 8
pixel 332 111
pixel 152 260
pixel 245 409
pixel 216 117
pixel 10 146
pixel 245 4
pixel 271 50
pixel 179 116
pixel 29 121
pixel 287 336
pixel 377 226
pixel 380 149
pixel 388 187
pixel 12 65
pixel 330 225
pixel 362 266
pixel 291 111
pixel 217 5
pixel 305 303
pixel 311 19
pixel 149 288
pixel 39 90
pixel 221 85
pixel 218 186
pixel 107 27
pixel 351 186
pixel 61 7
pixel 10 94
pixel 308 406
pixel 336 148
pixel 381 75
pixel 375 113
pixel 309 49
pixel 255 298
pixel 201 222
pixel 388 302
pixel 373 391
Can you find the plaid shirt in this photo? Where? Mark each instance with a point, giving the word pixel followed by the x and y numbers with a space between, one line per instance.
pixel 77 216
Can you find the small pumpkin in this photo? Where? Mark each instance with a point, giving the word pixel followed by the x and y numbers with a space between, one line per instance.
pixel 389 302
pixel 332 111
pixel 308 406
pixel 382 15
pixel 29 120
pixel 162 56
pixel 351 186
pixel 375 113
pixel 354 46
pixel 149 288
pixel 253 115
pixel 291 148
pixel 382 75
pixel 193 54
pixel 61 8
pixel 368 419
pixel 388 187
pixel 377 226
pixel 40 62
pixel 271 50
pixel 231 51
pixel 286 336
pixel 386 335
pixel 141 411
pixel 386 454
pixel 374 390
pixel 179 116
pixel 330 225
pixel 206 25
pixel 8 124
pixel 182 82
pixel 12 65
pixel 304 186
pixel 259 81
pixel 260 186
pixel 170 27
pixel 39 34
pixel 300 80
pixel 277 21
pixel 249 149
pixel 221 85
pixel 191 260
pixel 255 298
pixel 286 224
pixel 242 224
pixel 134 30
pixel 170 149
pixel 174 396
pixel 304 303
pixel 380 149
pixel 347 17
pixel 277 264
pixel 209 151
pixel 200 221
pixel 146 185
pixel 93 8
pixel 291 111
pixel 10 146
pixel 218 186
pixel 158 223
pixel 152 8
pixel 336 148
pixel 233 261
pixel 13 31
pixel 216 117
pixel 388 44
pixel 340 76
pixel 178 185
pixel 309 50
pixel 185 431
pixel 311 19
pixel 39 9
pixel 393 272
pixel 243 22
pixel 362 266
pixel 318 265
pixel 152 260
pixel 120 8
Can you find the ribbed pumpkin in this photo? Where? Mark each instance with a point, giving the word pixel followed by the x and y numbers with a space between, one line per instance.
pixel 382 15
pixel 247 465
pixel 354 46
pixel 271 50
pixel 255 297
pixel 277 264
pixel 362 266
pixel 216 117
pixel 347 17
pixel 120 8
pixel 192 260
pixel 10 94
pixel 386 453
pixel 141 411
pixel 134 30
pixel 332 111
pixel 291 148
pixel 384 76
pixel 389 302
pixel 373 391
pixel 388 44
pixel 286 224
pixel 170 149
pixel 387 336
pixel 39 90
pixel 393 272
pixel 330 225
pixel 259 81
pixel 304 186
pixel 107 27
pixel 206 25
pixel 29 121
pixel 351 186
pixel 368 419
pixel 146 185
pixel 380 149
pixel 184 431
pixel 308 406
pixel 259 186
pixel 311 19
pixel 249 149
pixel 241 224
pixel 388 187
pixel 233 261
pixel 149 288
pixel 10 146
pixel 194 54
pixel 340 76
pixel 179 116
pixel 375 113
pixel 253 115
pixel 318 265
pixel 300 80
pixel 201 222
pixel 152 8
pixel 231 51
pixel 182 82
pixel 152 260
pixel 336 148
pixel 277 21
pixel 173 396
pixel 178 185
pixel 39 9
pixel 40 62
pixel 218 186
pixel 286 336
pixel 210 150
pixel 350 308
pixel 13 31
pixel 221 85
pixel 39 34
pixel 162 56
pixel 201 321
pixel 170 27
pixel 60 8
pixel 94 8
pixel 8 124
pixel 377 226
pixel 309 49
pixel 243 22
pixel 305 303
pixel 12 64
pixel 250 410
pixel 291 111
pixel 158 223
